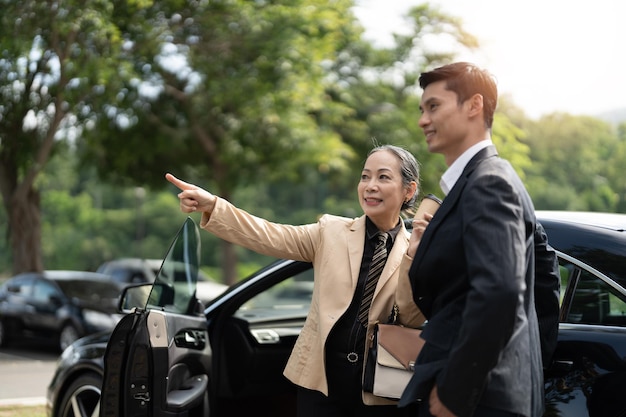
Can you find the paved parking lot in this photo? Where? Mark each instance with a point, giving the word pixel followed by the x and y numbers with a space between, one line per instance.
pixel 26 372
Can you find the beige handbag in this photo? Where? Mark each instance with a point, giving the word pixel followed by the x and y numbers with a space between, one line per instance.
pixel 391 359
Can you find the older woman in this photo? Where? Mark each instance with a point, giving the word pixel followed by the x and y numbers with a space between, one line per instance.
pixel 327 360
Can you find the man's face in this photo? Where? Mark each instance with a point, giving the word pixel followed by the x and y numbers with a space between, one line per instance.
pixel 445 123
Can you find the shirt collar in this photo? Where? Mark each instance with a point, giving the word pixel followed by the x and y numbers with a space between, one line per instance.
pixel 454 171
pixel 372 230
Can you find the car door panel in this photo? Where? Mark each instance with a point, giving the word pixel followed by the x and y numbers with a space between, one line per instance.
pixel 156 364
pixel 588 373
pixel 251 373
pixel 181 361
pixel 116 360
pixel 254 363
pixel 158 358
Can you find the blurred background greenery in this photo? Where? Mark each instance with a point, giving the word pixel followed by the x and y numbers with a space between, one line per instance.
pixel 272 105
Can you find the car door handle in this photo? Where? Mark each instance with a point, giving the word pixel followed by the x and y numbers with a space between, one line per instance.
pixel 561 366
pixel 191 339
pixel 266 336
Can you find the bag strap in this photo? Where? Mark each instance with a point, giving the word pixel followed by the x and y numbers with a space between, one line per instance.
pixel 393 317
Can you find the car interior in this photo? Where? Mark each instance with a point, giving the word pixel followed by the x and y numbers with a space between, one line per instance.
pixel 255 338
pixel 594 301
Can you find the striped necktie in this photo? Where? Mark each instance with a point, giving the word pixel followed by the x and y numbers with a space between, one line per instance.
pixel 376 267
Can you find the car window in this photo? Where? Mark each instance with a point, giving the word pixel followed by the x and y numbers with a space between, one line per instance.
pixel 175 285
pixel 122 275
pixel 593 301
pixel 291 297
pixel 89 290
pixel 21 287
pixel 43 291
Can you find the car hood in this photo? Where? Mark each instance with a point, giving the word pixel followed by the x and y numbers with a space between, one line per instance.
pixel 100 338
pixel 106 306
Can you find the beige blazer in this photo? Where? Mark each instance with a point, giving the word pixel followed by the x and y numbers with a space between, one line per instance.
pixel 335 247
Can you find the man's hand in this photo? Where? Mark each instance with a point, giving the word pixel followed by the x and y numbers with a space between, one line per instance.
pixel 437 408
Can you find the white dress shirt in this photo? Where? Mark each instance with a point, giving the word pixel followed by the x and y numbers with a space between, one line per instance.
pixel 452 174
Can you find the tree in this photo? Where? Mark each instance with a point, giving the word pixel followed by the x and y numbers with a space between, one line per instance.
pixel 86 222
pixel 239 103
pixel 234 95
pixel 375 97
pixel 571 168
pixel 57 61
pixel 265 92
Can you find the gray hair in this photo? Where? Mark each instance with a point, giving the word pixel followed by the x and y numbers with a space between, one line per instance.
pixel 409 168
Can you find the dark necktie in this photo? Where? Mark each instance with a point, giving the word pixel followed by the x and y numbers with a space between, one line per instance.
pixel 376 267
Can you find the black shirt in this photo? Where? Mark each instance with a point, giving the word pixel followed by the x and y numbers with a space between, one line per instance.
pixel 348 334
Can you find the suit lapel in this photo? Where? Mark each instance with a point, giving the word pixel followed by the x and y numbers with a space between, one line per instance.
pixel 355 243
pixel 450 201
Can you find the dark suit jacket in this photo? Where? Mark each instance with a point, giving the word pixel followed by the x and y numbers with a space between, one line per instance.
pixel 547 290
pixel 473 278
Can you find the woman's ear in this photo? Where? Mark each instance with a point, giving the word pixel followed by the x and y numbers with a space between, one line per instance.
pixel 411 190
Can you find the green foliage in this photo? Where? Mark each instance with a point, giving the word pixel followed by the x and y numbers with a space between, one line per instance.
pixel 238 103
pixel 60 61
pixel 575 160
pixel 508 139
pixel 86 222
pixel 273 105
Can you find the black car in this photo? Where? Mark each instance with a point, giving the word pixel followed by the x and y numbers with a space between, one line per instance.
pixel 169 360
pixel 57 305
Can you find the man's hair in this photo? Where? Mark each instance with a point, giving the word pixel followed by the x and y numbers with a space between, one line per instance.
pixel 465 80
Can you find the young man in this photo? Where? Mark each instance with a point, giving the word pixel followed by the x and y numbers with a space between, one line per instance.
pixel 473 272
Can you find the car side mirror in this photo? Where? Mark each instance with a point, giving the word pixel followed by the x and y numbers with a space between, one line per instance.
pixel 134 296
pixel 144 296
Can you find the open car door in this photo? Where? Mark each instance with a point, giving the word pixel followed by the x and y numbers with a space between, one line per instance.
pixel 158 358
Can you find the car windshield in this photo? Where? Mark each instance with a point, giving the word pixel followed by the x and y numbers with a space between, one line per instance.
pixel 88 290
pixel 175 285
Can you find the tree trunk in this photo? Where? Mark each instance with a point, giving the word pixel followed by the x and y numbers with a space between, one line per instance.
pixel 25 231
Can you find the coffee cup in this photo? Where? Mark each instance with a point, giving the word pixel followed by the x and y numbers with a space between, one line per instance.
pixel 429 204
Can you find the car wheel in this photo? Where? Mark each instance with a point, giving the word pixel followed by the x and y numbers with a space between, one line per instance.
pixel 68 335
pixel 82 398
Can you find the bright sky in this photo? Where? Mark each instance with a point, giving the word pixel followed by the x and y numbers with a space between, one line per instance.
pixel 549 55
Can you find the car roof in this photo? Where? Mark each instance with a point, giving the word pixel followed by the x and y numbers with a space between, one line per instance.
pixel 612 221
pixel 58 275
pixel 136 262
pixel 597 239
